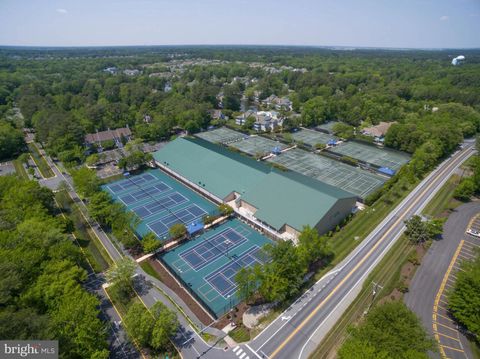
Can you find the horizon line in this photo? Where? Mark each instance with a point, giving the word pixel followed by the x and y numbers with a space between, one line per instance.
pixel 347 47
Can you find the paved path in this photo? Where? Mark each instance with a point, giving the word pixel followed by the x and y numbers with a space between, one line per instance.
pixel 150 290
pixel 297 332
pixel 436 275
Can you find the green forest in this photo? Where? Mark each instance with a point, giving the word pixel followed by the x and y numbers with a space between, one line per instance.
pixel 63 94
pixel 41 293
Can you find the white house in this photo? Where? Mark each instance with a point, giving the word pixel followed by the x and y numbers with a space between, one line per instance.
pixel 267 121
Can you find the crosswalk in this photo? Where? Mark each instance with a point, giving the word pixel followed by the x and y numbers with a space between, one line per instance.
pixel 240 353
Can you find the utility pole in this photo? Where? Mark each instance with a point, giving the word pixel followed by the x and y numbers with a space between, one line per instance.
pixel 376 288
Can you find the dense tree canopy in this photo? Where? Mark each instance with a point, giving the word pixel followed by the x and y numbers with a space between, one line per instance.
pixel 41 293
pixel 464 300
pixel 67 94
pixel 389 331
pixel 11 141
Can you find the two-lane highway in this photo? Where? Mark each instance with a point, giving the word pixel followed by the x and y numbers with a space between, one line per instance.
pixel 297 332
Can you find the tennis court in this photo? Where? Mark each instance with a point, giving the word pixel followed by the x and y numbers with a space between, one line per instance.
pixel 312 137
pixel 221 135
pixel 373 155
pixel 256 145
pixel 127 184
pixel 208 264
pixel 349 178
pixel 328 126
pixel 159 201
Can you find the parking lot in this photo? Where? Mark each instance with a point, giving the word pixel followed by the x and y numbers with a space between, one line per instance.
pixel 445 329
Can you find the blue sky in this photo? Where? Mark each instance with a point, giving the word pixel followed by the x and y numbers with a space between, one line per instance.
pixel 375 23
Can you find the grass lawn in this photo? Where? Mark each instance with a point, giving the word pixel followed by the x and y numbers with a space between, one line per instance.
pixel 147 267
pixel 19 169
pixel 387 275
pixel 42 165
pixel 96 254
pixel 240 334
pixel 443 200
pixel 362 224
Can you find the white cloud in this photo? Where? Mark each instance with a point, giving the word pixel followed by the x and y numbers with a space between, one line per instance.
pixel 444 18
pixel 62 11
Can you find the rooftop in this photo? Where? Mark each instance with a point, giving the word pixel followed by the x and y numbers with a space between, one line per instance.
pixel 280 197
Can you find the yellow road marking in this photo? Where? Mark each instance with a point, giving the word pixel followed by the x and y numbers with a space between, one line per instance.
pixel 448 336
pixel 443 316
pixel 445 326
pixel 451 348
pixel 334 290
pixel 123 322
pixel 148 310
pixel 439 294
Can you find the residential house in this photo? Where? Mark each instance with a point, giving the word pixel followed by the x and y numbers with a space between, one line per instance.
pixel 216 114
pixel 279 103
pixel 240 120
pixel 379 131
pixel 99 137
pixel 267 121
pixel 131 72
pixel 111 70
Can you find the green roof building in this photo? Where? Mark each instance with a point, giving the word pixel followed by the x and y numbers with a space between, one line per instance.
pixel 283 201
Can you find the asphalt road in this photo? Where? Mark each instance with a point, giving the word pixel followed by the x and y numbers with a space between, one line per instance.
pixel 426 283
pixel 297 332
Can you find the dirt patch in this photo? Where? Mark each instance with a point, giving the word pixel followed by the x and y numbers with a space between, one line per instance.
pixel 406 274
pixel 170 282
pixel 235 316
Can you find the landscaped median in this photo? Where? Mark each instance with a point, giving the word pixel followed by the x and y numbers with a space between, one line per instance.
pixel 40 161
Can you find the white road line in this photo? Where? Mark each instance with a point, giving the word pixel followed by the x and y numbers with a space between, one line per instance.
pixel 253 351
pixel 241 356
pixel 235 349
pixel 381 226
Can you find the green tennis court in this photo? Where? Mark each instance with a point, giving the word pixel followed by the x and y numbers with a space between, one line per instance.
pixel 312 137
pixel 222 135
pixel 207 265
pixel 327 127
pixel 258 145
pixel 346 177
pixel 159 201
pixel 380 157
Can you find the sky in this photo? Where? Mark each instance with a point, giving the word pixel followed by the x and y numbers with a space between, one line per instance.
pixel 359 23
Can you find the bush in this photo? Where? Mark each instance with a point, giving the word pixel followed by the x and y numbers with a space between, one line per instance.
pixel 178 230
pixel 150 243
pixel 225 209
pixel 349 160
pixel 465 190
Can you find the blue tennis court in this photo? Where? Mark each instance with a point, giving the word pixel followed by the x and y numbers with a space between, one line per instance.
pixel 160 205
pixel 208 264
pixel 223 279
pixel 211 248
pixel 159 201
pixel 136 196
pixel 126 184
pixel 190 214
